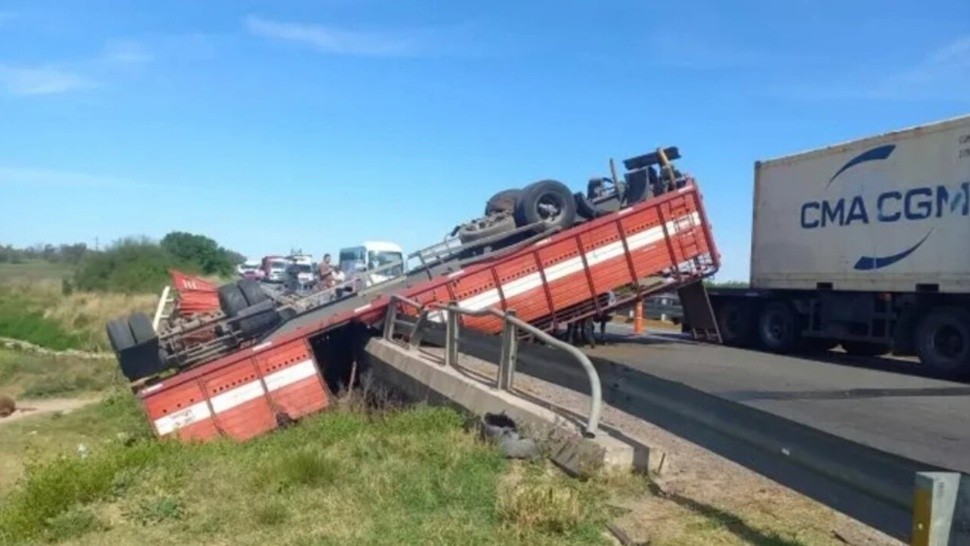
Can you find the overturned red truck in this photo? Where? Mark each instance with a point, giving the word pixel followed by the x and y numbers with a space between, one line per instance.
pixel 550 255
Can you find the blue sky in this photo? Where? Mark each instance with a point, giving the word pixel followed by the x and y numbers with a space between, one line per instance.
pixel 318 124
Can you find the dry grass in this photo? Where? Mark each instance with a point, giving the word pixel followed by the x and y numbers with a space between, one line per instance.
pixel 80 315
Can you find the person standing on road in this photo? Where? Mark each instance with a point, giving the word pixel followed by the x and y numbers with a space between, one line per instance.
pixel 326 272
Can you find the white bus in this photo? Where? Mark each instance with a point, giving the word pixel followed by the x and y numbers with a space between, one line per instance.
pixel 358 261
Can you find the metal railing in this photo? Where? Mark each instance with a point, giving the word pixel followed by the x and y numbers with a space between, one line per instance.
pixel 509 351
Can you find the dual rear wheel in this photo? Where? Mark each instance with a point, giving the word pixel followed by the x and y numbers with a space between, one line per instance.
pixel 942 336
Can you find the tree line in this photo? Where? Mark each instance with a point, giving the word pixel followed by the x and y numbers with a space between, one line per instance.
pixel 132 264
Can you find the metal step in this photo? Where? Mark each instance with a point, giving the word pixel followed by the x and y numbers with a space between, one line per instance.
pixel 698 313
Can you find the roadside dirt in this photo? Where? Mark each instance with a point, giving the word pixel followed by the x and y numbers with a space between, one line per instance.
pixel 27 408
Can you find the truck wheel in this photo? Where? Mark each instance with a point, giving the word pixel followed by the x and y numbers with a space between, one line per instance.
pixel 503 201
pixel 547 201
pixel 252 291
pixel 141 328
pixel 231 300
pixel 119 335
pixel 865 348
pixel 777 327
pixel 943 341
pixel 485 227
pixel 735 323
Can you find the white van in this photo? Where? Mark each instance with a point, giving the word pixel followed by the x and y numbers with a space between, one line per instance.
pixel 358 262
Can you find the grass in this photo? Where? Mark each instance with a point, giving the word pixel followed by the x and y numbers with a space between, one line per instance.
pixel 34 375
pixel 34 308
pixel 401 477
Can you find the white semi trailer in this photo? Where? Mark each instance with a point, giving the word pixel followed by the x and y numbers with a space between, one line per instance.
pixel 864 244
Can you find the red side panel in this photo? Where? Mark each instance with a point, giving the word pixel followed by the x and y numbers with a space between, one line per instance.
pixel 240 400
pixel 290 374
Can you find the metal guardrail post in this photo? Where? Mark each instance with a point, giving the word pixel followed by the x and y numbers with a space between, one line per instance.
pixel 389 319
pixel 417 331
pixel 451 338
pixel 510 350
pixel 941 509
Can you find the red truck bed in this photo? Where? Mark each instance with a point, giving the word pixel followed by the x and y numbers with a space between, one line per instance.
pixel 553 281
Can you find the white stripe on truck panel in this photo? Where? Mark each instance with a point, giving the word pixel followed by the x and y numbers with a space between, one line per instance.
pixel 230 399
pixel 573 265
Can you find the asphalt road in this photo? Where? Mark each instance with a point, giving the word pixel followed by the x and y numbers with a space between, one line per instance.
pixel 882 403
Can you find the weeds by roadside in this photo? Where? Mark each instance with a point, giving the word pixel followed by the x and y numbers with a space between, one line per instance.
pixel 29 375
pixel 400 476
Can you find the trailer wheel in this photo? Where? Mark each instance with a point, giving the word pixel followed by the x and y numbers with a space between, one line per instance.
pixel 777 327
pixel 865 348
pixel 547 201
pixel 119 335
pixel 943 341
pixel 231 300
pixel 141 327
pixel 735 323
pixel 503 201
pixel 252 291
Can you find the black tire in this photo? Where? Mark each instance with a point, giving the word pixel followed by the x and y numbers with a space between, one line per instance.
pixel 778 327
pixel 736 323
pixel 258 319
pixel 119 335
pixel 548 202
pixel 584 208
pixel 503 201
pixel 252 291
pixel 141 328
pixel 485 227
pixel 865 348
pixel 943 341
pixel 231 300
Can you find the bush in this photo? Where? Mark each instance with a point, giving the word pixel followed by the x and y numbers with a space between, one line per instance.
pixel 201 251
pixel 141 265
pixel 129 266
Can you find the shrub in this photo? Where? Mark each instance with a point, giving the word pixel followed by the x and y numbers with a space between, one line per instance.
pixel 129 266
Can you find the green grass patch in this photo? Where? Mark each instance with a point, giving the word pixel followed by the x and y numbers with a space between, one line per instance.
pixel 32 375
pixel 403 477
pixel 21 318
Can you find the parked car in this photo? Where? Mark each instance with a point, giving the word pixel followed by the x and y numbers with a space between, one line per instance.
pixel 663 307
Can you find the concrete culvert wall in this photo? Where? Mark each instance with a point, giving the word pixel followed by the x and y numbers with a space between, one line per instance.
pixel 336 352
pixel 7 406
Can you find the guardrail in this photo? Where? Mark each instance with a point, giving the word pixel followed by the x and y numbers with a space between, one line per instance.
pixel 509 350
pixel 909 500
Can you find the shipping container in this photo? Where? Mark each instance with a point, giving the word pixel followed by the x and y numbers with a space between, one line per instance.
pixel 887 213
pixel 862 245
